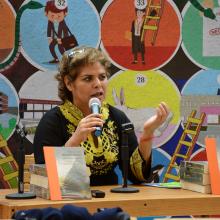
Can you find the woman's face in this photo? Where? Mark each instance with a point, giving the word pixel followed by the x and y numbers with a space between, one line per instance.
pixel 91 82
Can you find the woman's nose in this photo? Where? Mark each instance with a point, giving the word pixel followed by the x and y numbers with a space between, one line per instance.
pixel 97 82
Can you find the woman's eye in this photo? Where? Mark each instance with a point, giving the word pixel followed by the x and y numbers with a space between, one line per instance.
pixel 102 77
pixel 87 79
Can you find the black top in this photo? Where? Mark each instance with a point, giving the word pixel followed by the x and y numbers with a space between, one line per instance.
pixel 57 125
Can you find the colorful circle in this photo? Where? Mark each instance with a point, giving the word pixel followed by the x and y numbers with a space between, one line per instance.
pixel 7 33
pixel 139 101
pixel 8 108
pixel 38 49
pixel 201 93
pixel 39 92
pixel 200 36
pixel 161 39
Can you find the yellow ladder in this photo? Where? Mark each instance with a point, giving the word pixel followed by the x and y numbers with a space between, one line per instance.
pixel 157 6
pixel 8 166
pixel 192 128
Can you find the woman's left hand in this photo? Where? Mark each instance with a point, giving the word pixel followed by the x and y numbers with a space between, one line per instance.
pixel 150 125
pixel 156 120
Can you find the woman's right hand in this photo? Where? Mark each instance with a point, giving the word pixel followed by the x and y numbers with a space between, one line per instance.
pixel 85 127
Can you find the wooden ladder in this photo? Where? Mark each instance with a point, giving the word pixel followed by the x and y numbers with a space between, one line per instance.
pixel 8 166
pixel 151 22
pixel 192 128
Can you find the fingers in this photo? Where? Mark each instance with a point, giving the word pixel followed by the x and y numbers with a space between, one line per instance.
pixel 89 124
pixel 92 120
pixel 92 124
pixel 164 108
pixel 85 127
pixel 162 111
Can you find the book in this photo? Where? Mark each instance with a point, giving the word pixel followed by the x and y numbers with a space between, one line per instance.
pixel 189 175
pixel 67 173
pixel 40 191
pixel 213 155
pixel 195 166
pixel 27 187
pixel 39 169
pixel 27 176
pixel 169 185
pixel 195 187
pixel 29 159
pixel 38 180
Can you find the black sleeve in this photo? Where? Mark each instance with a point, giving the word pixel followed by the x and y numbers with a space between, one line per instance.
pixel 48 133
pixel 120 118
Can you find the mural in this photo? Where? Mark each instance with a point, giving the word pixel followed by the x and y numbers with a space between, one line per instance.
pixel 40 44
pixel 201 36
pixel 7 30
pixel 201 93
pixel 124 86
pixel 148 49
pixel 161 50
pixel 8 108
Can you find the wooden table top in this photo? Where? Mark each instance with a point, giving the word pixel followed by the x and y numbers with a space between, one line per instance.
pixel 150 201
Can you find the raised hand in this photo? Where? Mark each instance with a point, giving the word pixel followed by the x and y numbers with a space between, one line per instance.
pixel 156 120
pixel 150 126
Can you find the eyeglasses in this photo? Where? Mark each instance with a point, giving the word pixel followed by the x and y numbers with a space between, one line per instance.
pixel 75 52
pixel 79 50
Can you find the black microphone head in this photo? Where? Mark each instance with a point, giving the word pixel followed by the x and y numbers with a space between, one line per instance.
pixel 21 130
pixel 95 101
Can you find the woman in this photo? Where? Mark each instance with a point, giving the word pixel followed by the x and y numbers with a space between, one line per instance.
pixel 83 74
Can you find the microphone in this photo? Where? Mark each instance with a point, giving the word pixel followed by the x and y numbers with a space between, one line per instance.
pixel 95 105
pixel 126 129
pixel 21 160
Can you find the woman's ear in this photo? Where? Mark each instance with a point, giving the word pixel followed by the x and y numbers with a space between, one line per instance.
pixel 68 83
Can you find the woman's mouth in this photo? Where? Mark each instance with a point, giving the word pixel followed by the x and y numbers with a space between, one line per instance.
pixel 98 95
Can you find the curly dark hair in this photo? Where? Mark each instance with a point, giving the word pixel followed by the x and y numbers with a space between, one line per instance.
pixel 71 65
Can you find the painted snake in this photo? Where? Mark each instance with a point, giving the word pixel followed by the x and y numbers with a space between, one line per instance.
pixel 206 11
pixel 30 5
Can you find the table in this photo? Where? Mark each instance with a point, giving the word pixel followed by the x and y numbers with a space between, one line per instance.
pixel 150 201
